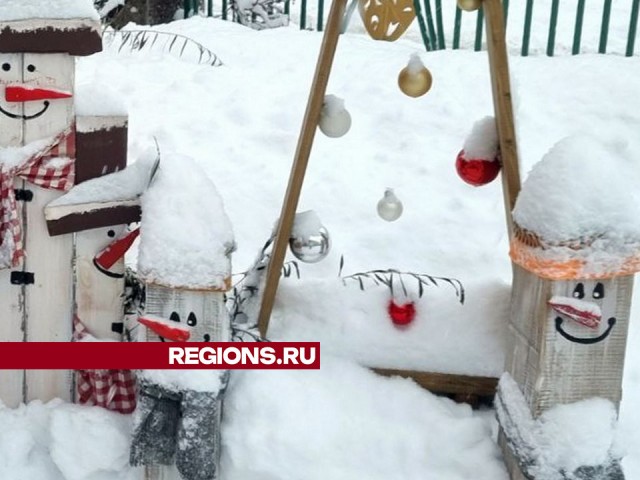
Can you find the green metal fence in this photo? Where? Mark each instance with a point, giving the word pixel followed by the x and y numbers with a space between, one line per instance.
pixel 432 26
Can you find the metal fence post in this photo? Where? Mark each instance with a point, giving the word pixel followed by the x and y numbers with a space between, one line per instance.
pixel 479 23
pixel 633 27
pixel 320 14
pixel 440 25
pixel 457 25
pixel 421 24
pixel 577 34
pixel 604 30
pixel 527 28
pixel 303 15
pixel 553 22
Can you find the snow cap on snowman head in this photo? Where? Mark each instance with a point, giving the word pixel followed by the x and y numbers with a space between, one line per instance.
pixel 578 214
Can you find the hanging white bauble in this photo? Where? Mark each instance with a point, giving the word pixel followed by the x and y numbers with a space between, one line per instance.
pixel 335 120
pixel 389 206
pixel 309 240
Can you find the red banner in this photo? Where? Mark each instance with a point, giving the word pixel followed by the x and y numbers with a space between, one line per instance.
pixel 159 355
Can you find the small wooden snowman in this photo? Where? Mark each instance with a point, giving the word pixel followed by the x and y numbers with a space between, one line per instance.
pixel 184 260
pixel 47 146
pixel 572 289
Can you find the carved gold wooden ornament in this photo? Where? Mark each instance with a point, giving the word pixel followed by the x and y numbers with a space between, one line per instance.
pixel 386 19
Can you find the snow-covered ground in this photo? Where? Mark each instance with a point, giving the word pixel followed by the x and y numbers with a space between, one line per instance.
pixel 240 122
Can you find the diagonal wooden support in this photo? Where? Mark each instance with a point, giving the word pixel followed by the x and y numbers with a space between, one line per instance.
pixel 301 159
pixel 502 104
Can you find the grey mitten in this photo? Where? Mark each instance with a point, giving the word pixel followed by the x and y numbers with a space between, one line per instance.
pixel 199 436
pixel 156 424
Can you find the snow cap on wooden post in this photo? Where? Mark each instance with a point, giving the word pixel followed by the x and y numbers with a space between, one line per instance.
pixel 578 216
pixel 62 26
pixel 187 239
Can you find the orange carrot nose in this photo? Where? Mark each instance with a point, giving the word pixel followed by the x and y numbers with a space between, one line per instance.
pixel 26 93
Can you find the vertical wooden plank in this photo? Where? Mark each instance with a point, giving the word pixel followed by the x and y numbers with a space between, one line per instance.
pixel 98 297
pixel 49 299
pixel 301 159
pixel 11 296
pixel 502 104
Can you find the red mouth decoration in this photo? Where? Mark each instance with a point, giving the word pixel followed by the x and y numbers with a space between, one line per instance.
pixel 401 315
pixel 584 313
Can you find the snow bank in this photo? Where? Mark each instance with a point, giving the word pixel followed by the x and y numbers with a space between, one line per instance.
pixel 344 422
pixel 11 10
pixel 57 441
pixel 186 236
pixel 445 336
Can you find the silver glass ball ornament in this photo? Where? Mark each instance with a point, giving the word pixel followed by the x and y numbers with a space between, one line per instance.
pixel 311 248
pixel 389 206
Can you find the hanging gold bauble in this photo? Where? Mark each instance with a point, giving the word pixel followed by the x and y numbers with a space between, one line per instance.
pixel 469 5
pixel 414 83
pixel 386 19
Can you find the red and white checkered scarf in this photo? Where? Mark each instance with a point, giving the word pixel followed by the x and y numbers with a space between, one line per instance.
pixel 111 389
pixel 39 170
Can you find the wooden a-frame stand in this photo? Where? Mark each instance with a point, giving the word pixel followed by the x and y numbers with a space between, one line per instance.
pixel 501 90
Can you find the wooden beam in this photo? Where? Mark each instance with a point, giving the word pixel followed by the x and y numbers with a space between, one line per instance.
pixel 445 382
pixel 502 104
pixel 301 159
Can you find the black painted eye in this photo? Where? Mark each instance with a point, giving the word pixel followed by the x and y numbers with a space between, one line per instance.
pixel 207 337
pixel 6 67
pixel 111 233
pixel 578 292
pixel 191 320
pixel 31 68
pixel 174 316
pixel 598 291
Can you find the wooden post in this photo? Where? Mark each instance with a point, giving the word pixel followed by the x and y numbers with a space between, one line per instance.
pixel 49 303
pixel 301 159
pixel 11 296
pixel 502 104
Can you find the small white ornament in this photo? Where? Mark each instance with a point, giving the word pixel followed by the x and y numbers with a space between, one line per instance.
pixel 335 120
pixel 309 240
pixel 389 206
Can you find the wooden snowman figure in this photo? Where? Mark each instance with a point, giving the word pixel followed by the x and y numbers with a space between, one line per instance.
pixel 46 147
pixel 574 258
pixel 184 259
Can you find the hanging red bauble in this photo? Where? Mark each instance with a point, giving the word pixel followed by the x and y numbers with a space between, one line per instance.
pixel 477 172
pixel 401 315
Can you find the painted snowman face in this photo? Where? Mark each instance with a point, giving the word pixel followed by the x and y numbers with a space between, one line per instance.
pixel 35 95
pixel 202 313
pixel 587 314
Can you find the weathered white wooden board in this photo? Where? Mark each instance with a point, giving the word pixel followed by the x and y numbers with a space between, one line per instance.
pixel 49 301
pixel 202 310
pixel 549 368
pixel 207 310
pixel 11 312
pixel 99 298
